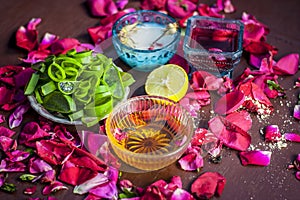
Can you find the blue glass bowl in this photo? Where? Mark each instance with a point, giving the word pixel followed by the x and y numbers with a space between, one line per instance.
pixel 145 59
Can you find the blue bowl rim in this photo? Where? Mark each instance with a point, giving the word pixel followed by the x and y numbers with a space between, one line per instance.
pixel 214 19
pixel 115 34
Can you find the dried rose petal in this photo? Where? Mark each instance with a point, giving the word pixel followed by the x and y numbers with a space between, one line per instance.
pixel 75 175
pixel 191 162
pixel 6 132
pixel 53 152
pixel 206 10
pixel 296 113
pixel 7 144
pixel 17 155
pixel 107 190
pixel 85 187
pixel 30 190
pixel 53 187
pixel 229 103
pixel 180 9
pixel 205 80
pixel 229 133
pixel 37 165
pixel 293 137
pixel 102 8
pixel 30 133
pixel 287 65
pixel 181 194
pixel 121 4
pixel 26 38
pixel 208 185
pixel 62 46
pixel 297 175
pixel 193 101
pixel 7 166
pixel 153 4
pixel 272 133
pixel 16 118
pixel 6 95
pixel 256 157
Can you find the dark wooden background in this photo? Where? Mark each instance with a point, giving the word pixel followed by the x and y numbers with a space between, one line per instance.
pixel 70 18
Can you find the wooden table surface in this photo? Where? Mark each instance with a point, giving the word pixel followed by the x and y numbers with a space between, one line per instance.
pixel 70 18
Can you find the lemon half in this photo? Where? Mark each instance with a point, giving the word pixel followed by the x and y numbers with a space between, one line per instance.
pixel 170 81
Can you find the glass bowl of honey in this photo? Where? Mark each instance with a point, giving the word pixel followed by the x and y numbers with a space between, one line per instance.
pixel 149 132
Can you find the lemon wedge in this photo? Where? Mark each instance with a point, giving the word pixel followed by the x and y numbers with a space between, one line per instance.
pixel 170 81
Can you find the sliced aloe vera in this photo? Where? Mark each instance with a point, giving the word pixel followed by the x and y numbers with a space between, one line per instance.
pixel 32 84
pixel 58 102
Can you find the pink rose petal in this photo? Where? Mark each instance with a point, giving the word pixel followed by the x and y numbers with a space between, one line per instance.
pixel 7 166
pixel 191 162
pixel 102 8
pixel 16 118
pixel 230 134
pixel 296 113
pixel 241 119
pixel 6 132
pixel 229 103
pixel 30 190
pixel 37 165
pixel 53 187
pixel 62 46
pixel 180 9
pixel 297 175
pixel 287 65
pixel 121 4
pixel 261 158
pixel 100 33
pixel 181 194
pixel 30 133
pixel 26 38
pixel 206 10
pixel 85 187
pixel 272 133
pixel 293 137
pixel 7 144
pixel 193 101
pixel 153 4
pixel 17 155
pixel 208 185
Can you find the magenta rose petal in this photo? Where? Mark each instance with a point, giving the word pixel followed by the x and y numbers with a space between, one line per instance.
pixel 7 166
pixel 241 119
pixel 229 103
pixel 287 65
pixel 37 165
pixel 26 38
pixel 293 137
pixel 7 144
pixel 61 46
pixel 17 155
pixel 181 194
pixel 53 187
pixel 121 4
pixel 6 132
pixel 208 185
pixel 230 134
pixel 85 187
pixel 256 157
pixel 30 190
pixel 191 162
pixel 16 118
pixel 30 133
pixel 100 33
pixel 296 113
pixel 47 41
pixel 102 8
pixel 272 133
pixel 180 9
pixel 153 4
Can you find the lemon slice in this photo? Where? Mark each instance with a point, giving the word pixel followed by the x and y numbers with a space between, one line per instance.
pixel 170 81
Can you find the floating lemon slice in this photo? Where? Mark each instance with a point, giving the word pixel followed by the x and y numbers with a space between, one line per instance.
pixel 170 81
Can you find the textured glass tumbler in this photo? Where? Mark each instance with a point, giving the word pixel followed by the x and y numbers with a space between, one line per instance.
pixel 213 44
pixel 149 132
pixel 151 25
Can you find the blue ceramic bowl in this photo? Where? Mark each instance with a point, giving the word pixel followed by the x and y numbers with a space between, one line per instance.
pixel 133 45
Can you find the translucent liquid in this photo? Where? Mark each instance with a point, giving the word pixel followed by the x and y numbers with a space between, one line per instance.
pixel 153 137
pixel 147 33
pixel 225 40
